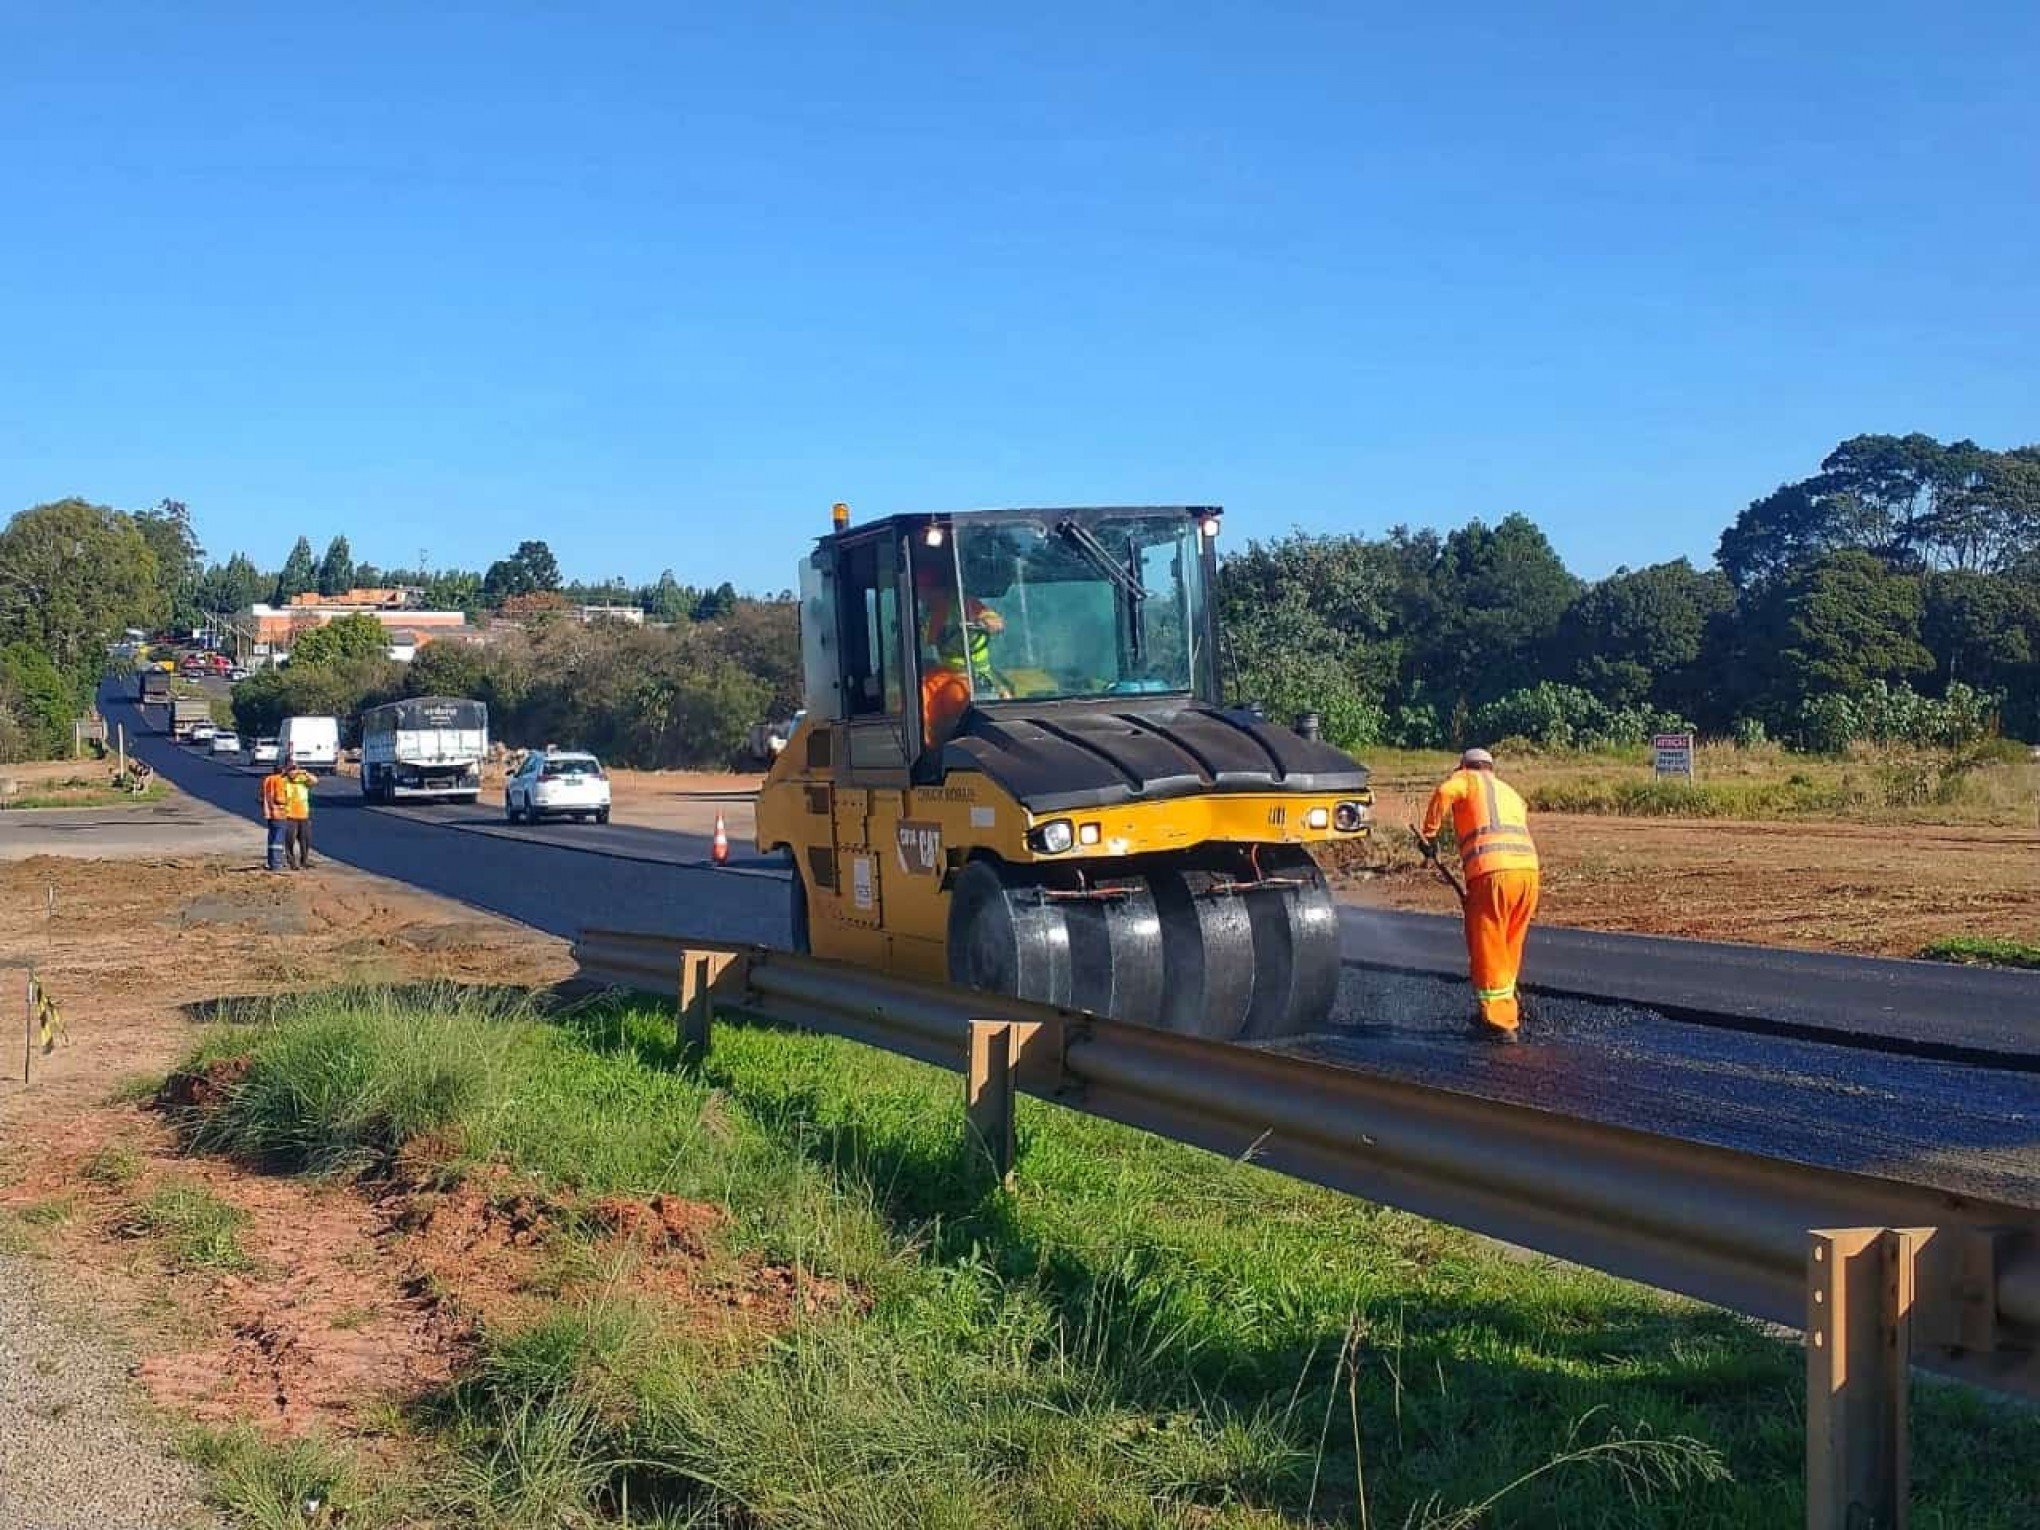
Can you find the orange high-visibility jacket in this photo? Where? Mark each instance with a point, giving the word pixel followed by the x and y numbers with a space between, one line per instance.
pixel 1490 820
pixel 275 795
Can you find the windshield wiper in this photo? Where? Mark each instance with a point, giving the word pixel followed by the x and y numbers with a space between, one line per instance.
pixel 1126 575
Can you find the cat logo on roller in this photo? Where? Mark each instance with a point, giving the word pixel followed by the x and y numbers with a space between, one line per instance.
pixel 1025 706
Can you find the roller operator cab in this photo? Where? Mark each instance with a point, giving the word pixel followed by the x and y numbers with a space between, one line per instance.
pixel 1016 772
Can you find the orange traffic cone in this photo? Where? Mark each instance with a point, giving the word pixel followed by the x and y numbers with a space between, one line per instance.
pixel 719 851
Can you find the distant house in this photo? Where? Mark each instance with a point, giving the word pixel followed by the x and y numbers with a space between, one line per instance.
pixel 588 616
pixel 269 631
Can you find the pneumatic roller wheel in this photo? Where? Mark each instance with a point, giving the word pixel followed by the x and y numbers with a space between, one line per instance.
pixel 1116 952
pixel 1004 938
pixel 1296 948
pixel 1208 951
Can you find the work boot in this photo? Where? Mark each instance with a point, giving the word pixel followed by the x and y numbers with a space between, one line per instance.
pixel 1494 1035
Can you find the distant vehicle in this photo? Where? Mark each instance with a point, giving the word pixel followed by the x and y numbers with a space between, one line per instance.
pixel 557 783
pixel 766 740
pixel 237 672
pixel 152 686
pixel 201 733
pixel 181 714
pixel 430 747
pixel 314 742
pixel 224 742
pixel 264 751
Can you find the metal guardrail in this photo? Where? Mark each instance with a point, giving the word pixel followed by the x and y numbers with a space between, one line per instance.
pixel 1873 1269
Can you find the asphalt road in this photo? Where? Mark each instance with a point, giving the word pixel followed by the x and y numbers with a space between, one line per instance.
pixel 562 876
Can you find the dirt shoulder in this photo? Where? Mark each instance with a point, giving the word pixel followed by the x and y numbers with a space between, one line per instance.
pixel 1874 889
pixel 133 951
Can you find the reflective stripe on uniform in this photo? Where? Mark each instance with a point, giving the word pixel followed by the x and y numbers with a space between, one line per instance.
pixel 1495 993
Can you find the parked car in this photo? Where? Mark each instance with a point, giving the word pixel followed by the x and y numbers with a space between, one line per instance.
pixel 557 783
pixel 264 751
pixel 201 733
pixel 224 742
pixel 237 672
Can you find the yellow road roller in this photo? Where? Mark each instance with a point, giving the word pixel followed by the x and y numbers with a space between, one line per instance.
pixel 1016 771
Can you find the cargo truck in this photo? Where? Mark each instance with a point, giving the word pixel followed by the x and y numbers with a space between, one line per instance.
pixel 181 714
pixel 151 687
pixel 429 748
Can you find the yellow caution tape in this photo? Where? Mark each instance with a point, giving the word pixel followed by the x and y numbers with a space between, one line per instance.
pixel 49 1021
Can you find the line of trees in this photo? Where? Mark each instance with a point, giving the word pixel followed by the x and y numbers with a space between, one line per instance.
pixel 1894 593
pixel 651 697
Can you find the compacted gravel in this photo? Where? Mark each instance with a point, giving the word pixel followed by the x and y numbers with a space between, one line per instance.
pixel 72 1456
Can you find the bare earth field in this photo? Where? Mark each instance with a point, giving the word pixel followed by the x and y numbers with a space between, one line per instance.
pixel 1874 889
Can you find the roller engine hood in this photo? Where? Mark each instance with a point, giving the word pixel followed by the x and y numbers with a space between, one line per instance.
pixel 1070 756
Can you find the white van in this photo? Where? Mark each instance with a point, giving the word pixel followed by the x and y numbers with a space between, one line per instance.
pixel 314 742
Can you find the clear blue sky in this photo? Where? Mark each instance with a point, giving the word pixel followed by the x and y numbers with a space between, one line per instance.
pixel 658 282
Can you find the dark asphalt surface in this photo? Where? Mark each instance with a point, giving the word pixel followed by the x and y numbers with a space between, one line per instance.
pixel 1742 1082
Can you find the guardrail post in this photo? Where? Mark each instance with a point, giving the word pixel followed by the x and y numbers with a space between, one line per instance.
pixel 701 972
pixel 989 1088
pixel 1859 1309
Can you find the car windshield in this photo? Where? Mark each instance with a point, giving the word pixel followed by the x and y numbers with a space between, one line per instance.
pixel 1071 605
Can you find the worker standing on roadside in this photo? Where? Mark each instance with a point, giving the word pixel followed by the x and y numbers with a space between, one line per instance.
pixel 276 811
pixel 297 815
pixel 1492 827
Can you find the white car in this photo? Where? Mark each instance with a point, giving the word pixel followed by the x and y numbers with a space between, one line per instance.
pixel 201 733
pixel 264 751
pixel 557 783
pixel 224 742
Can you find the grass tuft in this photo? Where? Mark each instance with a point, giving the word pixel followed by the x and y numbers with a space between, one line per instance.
pixel 1982 951
pixel 285 1485
pixel 195 1228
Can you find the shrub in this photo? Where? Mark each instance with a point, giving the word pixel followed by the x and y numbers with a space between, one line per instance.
pixel 1566 717
pixel 1895 714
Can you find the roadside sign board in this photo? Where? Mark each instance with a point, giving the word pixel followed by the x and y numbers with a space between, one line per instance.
pixel 1674 754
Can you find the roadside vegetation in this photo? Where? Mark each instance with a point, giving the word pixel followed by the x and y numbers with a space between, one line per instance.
pixel 1982 951
pixel 83 792
pixel 1137 1334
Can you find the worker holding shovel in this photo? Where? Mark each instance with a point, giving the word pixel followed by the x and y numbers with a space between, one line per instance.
pixel 1492 827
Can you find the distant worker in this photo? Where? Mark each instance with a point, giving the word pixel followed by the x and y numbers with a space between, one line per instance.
pixel 276 811
pixel 297 815
pixel 1492 827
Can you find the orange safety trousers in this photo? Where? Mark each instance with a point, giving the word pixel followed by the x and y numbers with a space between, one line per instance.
pixel 1499 907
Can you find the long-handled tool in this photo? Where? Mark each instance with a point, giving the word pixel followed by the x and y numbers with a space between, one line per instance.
pixel 1429 851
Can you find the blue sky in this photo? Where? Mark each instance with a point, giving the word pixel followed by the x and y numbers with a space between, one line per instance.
pixel 657 282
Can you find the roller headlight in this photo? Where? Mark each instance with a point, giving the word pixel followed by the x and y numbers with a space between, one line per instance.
pixel 1349 817
pixel 1318 818
pixel 1053 837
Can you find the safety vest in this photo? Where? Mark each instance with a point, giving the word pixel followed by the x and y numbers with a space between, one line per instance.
pixel 297 795
pixel 1489 820
pixel 955 642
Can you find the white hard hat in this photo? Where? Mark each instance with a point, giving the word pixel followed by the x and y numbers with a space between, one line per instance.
pixel 1474 757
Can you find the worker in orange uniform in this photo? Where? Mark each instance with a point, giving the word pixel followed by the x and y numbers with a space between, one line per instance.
pixel 962 652
pixel 1500 860
pixel 276 811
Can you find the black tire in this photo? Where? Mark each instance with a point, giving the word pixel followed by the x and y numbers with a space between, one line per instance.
pixel 1296 947
pixel 799 935
pixel 509 812
pixel 1116 953
pixel 602 815
pixel 1208 948
pixel 1004 938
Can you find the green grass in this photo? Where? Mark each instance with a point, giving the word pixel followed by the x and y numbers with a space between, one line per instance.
pixel 1138 1334
pixel 1982 951
pixel 195 1229
pixel 95 794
